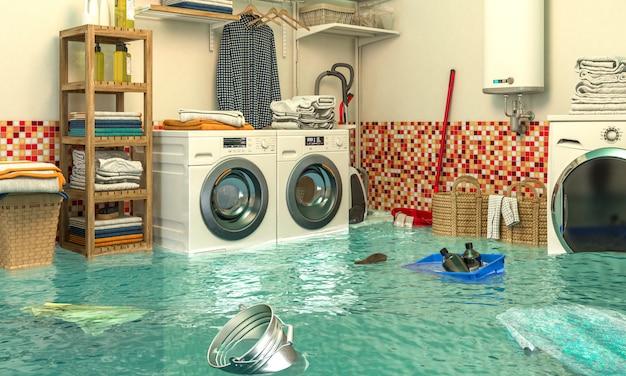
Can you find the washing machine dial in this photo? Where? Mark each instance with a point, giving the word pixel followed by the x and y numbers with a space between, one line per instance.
pixel 339 141
pixel 611 135
pixel 264 144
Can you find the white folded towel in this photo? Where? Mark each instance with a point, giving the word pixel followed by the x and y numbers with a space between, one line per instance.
pixel 234 118
pixel 493 216
pixel 510 211
pixel 601 64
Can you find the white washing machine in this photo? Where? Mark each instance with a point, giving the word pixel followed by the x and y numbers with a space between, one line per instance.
pixel 313 192
pixel 587 184
pixel 214 190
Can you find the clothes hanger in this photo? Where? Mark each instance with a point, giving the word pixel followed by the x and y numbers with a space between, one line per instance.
pixel 269 16
pixel 283 15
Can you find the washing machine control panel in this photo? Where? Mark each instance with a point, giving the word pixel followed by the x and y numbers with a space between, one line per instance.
pixel 247 145
pixel 611 134
pixel 326 142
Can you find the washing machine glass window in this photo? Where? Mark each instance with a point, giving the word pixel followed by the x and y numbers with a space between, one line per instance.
pixel 589 202
pixel 234 199
pixel 314 192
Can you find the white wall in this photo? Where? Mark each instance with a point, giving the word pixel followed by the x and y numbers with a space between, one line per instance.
pixel 403 78
pixel 406 78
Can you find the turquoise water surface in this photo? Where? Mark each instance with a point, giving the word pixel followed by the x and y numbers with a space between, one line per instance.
pixel 378 319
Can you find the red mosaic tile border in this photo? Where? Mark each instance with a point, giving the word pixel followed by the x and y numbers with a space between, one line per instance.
pixel 400 157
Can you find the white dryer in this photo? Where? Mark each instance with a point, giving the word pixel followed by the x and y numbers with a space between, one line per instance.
pixel 313 192
pixel 214 190
pixel 587 183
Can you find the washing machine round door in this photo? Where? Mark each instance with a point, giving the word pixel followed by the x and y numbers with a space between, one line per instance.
pixel 314 192
pixel 588 206
pixel 233 199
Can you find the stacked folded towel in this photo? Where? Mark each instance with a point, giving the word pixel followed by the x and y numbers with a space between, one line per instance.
pixel 30 177
pixel 114 170
pixel 122 230
pixel 602 86
pixel 208 120
pixel 304 112
pixel 107 123
pixel 501 206
pixel 217 6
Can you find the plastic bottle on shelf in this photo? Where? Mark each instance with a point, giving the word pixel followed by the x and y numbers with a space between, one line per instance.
pixel 99 63
pixel 105 13
pixel 119 63
pixel 472 258
pixel 452 262
pixel 120 13
pixel 130 14
pixel 128 64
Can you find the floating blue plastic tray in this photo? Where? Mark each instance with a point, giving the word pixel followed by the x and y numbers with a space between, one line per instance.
pixel 493 263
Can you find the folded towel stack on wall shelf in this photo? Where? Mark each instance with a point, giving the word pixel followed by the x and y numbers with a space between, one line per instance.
pixel 215 6
pixel 114 170
pixel 304 112
pixel 602 86
pixel 108 124
pixel 122 230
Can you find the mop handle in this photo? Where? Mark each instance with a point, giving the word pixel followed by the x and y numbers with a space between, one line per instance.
pixel 442 144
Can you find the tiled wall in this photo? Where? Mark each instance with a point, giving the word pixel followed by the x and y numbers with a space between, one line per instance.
pixel 29 140
pixel 400 157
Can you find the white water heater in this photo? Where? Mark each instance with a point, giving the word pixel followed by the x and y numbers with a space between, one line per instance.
pixel 513 46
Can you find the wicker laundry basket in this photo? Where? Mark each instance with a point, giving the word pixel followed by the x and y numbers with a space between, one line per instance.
pixel 532 228
pixel 461 213
pixel 28 228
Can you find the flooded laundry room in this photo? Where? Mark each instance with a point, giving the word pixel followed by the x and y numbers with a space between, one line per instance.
pixel 313 187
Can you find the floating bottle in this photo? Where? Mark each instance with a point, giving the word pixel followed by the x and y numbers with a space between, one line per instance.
pixel 452 262
pixel 472 258
pixel 128 64
pixel 99 63
pixel 119 63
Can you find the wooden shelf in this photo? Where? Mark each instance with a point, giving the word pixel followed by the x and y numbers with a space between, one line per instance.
pixel 140 199
pixel 365 35
pixel 159 12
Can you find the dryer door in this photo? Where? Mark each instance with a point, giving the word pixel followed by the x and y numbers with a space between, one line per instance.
pixel 314 192
pixel 233 199
pixel 589 202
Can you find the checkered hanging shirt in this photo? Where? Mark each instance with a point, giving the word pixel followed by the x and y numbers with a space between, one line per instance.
pixel 247 71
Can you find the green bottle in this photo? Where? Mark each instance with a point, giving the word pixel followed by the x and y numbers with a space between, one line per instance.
pixel 472 258
pixel 99 64
pixel 452 262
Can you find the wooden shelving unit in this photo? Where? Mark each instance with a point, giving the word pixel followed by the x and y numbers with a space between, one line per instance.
pixel 140 199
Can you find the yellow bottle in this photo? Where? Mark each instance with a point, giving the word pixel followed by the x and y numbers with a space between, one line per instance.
pixel 120 13
pixel 119 63
pixel 99 64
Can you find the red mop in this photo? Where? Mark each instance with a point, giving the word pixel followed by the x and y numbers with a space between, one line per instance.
pixel 423 217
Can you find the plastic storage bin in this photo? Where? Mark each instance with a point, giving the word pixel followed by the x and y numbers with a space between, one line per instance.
pixel 493 264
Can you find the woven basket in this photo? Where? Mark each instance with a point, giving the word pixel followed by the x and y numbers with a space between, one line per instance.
pixel 532 228
pixel 28 228
pixel 461 213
